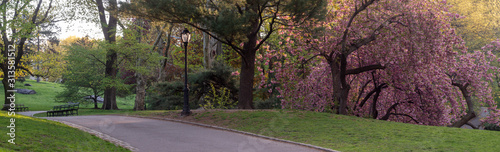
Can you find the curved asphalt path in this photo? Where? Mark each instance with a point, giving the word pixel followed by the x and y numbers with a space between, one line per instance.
pixel 150 135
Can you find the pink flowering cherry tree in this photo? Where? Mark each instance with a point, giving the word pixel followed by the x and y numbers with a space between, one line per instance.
pixel 397 60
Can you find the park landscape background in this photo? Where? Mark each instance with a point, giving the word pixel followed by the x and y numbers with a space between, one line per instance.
pixel 424 62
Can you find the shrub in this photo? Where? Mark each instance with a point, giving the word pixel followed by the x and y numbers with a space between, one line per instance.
pixel 270 103
pixel 493 127
pixel 219 76
pixel 169 95
pixel 218 99
pixel 21 79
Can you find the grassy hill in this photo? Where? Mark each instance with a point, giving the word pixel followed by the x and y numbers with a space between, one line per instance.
pixel 344 133
pixel 33 134
pixel 44 99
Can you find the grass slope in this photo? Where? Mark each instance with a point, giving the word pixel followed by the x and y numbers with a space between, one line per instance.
pixel 345 133
pixel 44 99
pixel 33 134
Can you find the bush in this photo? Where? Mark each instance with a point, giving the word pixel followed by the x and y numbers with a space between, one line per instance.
pixel 74 94
pixel 493 127
pixel 21 79
pixel 218 99
pixel 219 76
pixel 170 95
pixel 270 103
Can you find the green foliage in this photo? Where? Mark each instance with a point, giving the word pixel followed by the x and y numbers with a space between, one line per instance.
pixel 218 99
pixel 71 94
pixel 270 103
pixel 21 79
pixel 169 95
pixel 219 76
pixel 493 127
pixel 85 72
pixel 135 56
pixel 195 53
pixel 232 20
pixel 49 62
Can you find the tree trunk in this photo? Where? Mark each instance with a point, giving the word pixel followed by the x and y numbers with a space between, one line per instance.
pixel 217 50
pixel 95 102
pixel 211 49
pixel 247 74
pixel 245 95
pixel 109 31
pixel 471 114
pixel 373 111
pixel 5 69
pixel 206 51
pixel 110 91
pixel 6 87
pixel 140 92
pixel 38 63
pixel 340 86
pixel 246 82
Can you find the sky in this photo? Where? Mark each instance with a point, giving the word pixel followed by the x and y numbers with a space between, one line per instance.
pixel 79 29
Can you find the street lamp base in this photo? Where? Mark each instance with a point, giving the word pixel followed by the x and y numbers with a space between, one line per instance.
pixel 186 113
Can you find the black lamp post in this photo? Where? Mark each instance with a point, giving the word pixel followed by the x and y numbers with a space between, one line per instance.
pixel 186 37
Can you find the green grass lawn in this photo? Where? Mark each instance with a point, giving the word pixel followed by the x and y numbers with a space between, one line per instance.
pixel 44 99
pixel 33 134
pixel 345 133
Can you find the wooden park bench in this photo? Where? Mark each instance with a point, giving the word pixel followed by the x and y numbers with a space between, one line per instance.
pixel 64 110
pixel 18 108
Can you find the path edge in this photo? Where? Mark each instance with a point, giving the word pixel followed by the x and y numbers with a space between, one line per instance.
pixel 237 131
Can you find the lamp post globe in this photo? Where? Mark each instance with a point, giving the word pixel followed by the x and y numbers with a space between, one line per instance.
pixel 185 37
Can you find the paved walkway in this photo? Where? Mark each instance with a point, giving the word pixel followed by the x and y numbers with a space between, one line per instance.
pixel 157 135
pixel 30 113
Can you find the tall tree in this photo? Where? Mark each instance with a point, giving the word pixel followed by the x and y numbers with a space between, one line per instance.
pixel 238 24
pixel 139 57
pixel 84 74
pixel 109 28
pixel 389 60
pixel 19 19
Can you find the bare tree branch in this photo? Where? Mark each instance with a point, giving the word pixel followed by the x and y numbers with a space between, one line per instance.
pixel 364 69
pixel 29 72
pixel 46 13
pixel 364 41
pixel 97 59
pixel 271 29
pixel 158 38
pixel 351 19
pixel 401 114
